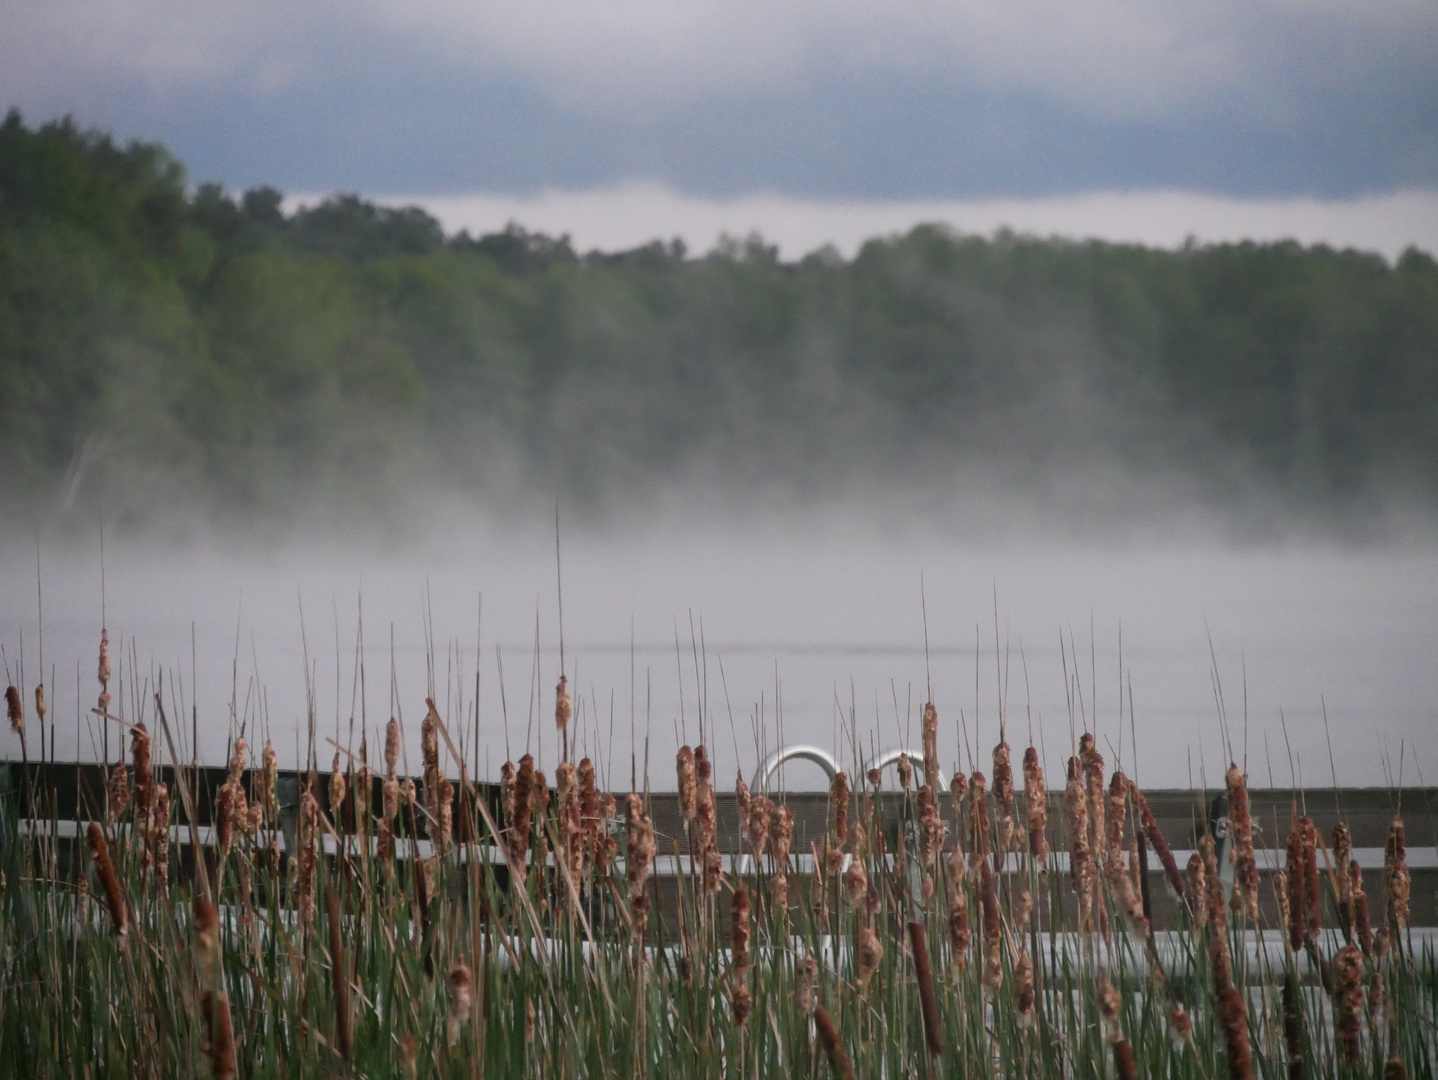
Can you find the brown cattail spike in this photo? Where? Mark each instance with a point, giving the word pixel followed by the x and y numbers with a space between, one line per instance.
pixel 461 981
pixel 833 1049
pixel 741 996
pixel 114 897
pixel 1397 880
pixel 1348 1003
pixel 928 1003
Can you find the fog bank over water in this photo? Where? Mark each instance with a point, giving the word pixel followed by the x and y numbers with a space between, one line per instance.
pixel 786 624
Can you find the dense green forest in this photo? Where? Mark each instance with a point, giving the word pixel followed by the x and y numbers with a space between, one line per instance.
pixel 168 343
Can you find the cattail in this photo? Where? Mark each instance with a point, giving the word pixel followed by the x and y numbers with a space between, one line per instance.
pixel 570 827
pixel 1292 1028
pixel 868 951
pixel 14 710
pixel 1394 1069
pixel 605 846
pixel 713 870
pixel 839 796
pixel 119 791
pixel 1195 890
pixel 959 795
pixel 220 1040
pixel 688 790
pixel 1220 959
pixel 158 841
pixel 207 936
pixel 1108 1006
pixel 391 746
pixel 1342 853
pixel 344 1042
pixel 856 882
pixel 1156 839
pixel 520 826
pixel 1240 827
pixel 1080 860
pixel 444 824
pixel 742 800
pixel 271 772
pixel 1280 898
pixel 1348 1002
pixel 639 849
pixel 1123 1061
pixel 589 803
pixel 1296 872
pixel 225 817
pixel 1233 1019
pixel 1362 926
pixel 506 791
pixel 41 709
pixel 931 826
pixel 1397 882
pixel 563 705
pixel 993 977
pixel 928 1004
pixel 929 733
pixel 1038 806
pixel 978 819
pixel 906 772
pixel 741 997
pixel 1092 762
pixel 1117 808
pixel 309 818
pixel 1024 986
pixel 1180 1026
pixel 1004 797
pixel 808 971
pixel 781 822
pixel 1023 907
pixel 114 898
pixel 103 673
pixel 1312 901
pixel 760 813
pixel 337 791
pixel 461 981
pixel 829 1041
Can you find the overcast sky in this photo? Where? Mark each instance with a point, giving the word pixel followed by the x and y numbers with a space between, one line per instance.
pixel 831 101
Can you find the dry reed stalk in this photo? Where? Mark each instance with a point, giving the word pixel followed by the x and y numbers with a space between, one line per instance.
pixel 461 983
pixel 978 820
pixel 993 975
pixel 563 705
pixel 1348 1003
pixel 1004 797
pixel 220 1041
pixel 1233 1020
pixel 688 784
pixel 833 1049
pixel 1156 840
pixel 1240 828
pixel 741 998
pixel 868 952
pixel 1081 870
pixel 1037 794
pixel 114 897
pixel 929 733
pixel 1293 1029
pixel 928 1003
pixel 839 797
pixel 1397 881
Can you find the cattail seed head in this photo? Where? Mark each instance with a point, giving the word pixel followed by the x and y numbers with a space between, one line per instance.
pixel 271 772
pixel 337 791
pixel 742 798
pixel 929 729
pixel 906 771
pixel 868 952
pixel 1003 791
pixel 1342 853
pixel 856 882
pixel 978 819
pixel 1348 1003
pixel 688 783
pixel 1362 926
pixel 14 710
pixel 1195 890
pixel 103 673
pixel 1240 827
pixel 563 704
pixel 1024 987
pixel 931 826
pixel 461 982
pixel 839 797
pixel 1037 795
pixel 520 824
pixel 1397 880
pixel 742 999
pixel 833 1049
pixel 804 995
pixel 391 747
pixel 220 1040
pixel 928 1003
pixel 119 790
pixel 1156 839
pixel 1233 1019
pixel 41 709
pixel 760 814
pixel 1180 1026
pixel 1220 959
pixel 993 975
pixel 1108 1006
pixel 114 897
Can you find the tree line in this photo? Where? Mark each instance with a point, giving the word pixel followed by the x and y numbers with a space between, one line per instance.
pixel 168 342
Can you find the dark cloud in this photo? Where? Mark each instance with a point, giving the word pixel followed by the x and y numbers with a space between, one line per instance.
pixel 823 101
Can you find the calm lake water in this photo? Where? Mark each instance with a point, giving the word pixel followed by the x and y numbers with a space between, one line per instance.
pixel 777 633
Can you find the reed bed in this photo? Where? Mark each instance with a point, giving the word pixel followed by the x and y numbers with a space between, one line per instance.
pixel 534 938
